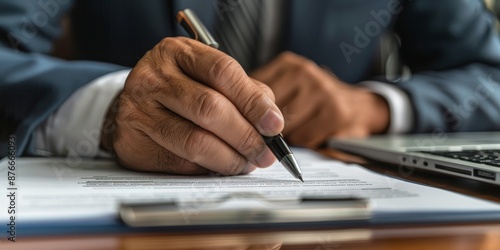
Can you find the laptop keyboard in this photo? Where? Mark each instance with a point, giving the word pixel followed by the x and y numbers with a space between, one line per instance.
pixel 487 157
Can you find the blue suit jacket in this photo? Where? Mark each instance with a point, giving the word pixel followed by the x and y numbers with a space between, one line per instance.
pixel 451 46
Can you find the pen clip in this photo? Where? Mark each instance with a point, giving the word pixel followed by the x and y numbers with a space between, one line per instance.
pixel 192 24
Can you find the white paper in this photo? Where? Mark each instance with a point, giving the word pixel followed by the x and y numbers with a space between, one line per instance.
pixel 60 189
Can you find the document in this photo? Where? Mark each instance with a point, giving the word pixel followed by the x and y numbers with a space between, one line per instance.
pixel 49 189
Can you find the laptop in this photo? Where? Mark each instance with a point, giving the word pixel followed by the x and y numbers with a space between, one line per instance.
pixel 470 155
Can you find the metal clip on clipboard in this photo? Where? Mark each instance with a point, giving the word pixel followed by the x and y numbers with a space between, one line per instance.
pixel 245 208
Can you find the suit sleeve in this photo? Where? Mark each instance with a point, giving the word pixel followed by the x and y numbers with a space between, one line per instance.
pixel 453 50
pixel 33 84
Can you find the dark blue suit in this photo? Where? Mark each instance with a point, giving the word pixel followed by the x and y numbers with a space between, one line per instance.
pixel 450 45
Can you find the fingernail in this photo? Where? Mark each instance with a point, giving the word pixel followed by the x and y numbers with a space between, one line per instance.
pixel 265 159
pixel 271 123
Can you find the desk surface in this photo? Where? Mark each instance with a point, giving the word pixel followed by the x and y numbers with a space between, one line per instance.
pixel 464 236
pixel 481 237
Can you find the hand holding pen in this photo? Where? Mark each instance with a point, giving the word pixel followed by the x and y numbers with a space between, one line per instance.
pixel 277 144
pixel 190 109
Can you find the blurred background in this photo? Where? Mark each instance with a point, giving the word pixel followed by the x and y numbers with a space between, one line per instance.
pixel 494 6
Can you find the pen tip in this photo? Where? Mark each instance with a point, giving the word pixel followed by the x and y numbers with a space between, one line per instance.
pixel 300 178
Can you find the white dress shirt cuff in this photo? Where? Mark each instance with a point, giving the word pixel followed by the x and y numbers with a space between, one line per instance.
pixel 74 130
pixel 400 106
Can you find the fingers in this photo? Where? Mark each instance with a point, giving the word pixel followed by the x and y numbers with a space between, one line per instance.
pixel 283 64
pixel 188 141
pixel 285 90
pixel 304 91
pixel 137 151
pixel 269 92
pixel 312 132
pixel 213 112
pixel 223 74
pixel 296 103
pixel 315 103
pixel 299 91
pixel 296 114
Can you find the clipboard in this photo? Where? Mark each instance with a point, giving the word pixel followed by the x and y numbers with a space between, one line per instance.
pixel 245 208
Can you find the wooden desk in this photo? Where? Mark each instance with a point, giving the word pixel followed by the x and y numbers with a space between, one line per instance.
pixel 484 236
pixel 474 237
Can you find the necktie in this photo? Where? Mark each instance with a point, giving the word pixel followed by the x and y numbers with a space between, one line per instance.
pixel 238 30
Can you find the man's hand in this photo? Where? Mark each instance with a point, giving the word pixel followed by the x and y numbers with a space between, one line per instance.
pixel 187 108
pixel 317 105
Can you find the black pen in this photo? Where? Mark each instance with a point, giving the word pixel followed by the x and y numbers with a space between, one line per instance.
pixel 192 24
